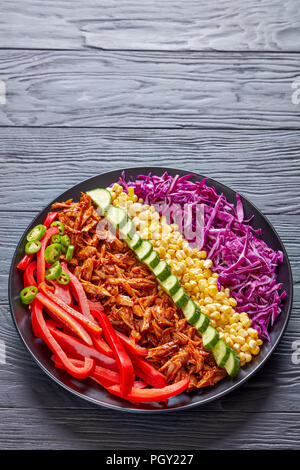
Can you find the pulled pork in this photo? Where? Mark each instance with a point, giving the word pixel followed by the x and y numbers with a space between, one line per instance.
pixel 110 273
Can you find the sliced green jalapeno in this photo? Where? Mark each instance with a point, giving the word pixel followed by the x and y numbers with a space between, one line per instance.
pixel 55 238
pixel 52 252
pixel 54 271
pixel 64 278
pixel 32 247
pixel 60 225
pixel 65 242
pixel 36 233
pixel 70 251
pixel 28 294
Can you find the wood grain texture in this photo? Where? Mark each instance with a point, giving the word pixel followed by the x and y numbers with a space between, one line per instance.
pixel 272 25
pixel 101 429
pixel 263 166
pixel 153 89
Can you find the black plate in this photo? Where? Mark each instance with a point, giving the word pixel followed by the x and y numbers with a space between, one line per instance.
pixel 90 391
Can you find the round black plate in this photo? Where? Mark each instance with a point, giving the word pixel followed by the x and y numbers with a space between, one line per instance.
pixel 90 391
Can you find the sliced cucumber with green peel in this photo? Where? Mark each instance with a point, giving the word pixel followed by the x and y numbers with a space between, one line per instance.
pixel 221 352
pixel 232 365
pixel 127 230
pixel 101 197
pixel 191 312
pixel 135 241
pixel 116 216
pixel 202 323
pixel 162 270
pixel 171 285
pixel 210 337
pixel 180 298
pixel 144 250
pixel 152 260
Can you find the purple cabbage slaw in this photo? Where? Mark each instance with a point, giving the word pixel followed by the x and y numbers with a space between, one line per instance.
pixel 244 262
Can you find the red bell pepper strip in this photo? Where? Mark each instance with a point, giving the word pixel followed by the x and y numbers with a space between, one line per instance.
pixel 151 394
pixel 102 346
pixel 124 362
pixel 64 317
pixel 97 305
pixel 50 217
pixel 40 257
pixel 100 343
pixel 25 262
pixel 78 292
pixel 84 321
pixel 76 348
pixel 131 347
pixel 42 329
pixel 63 292
pixel 29 279
pixel 109 377
pixel 147 372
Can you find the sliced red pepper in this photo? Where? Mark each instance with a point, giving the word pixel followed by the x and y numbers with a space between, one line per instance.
pixel 40 257
pixel 25 262
pixel 146 395
pixel 63 293
pixel 124 362
pixel 41 327
pixel 147 372
pixel 97 305
pixel 78 292
pixel 50 217
pixel 100 343
pixel 64 317
pixel 29 279
pixel 108 377
pixel 76 348
pixel 102 346
pixel 84 321
pixel 131 347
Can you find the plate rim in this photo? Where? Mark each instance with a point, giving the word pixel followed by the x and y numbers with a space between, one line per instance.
pixel 234 385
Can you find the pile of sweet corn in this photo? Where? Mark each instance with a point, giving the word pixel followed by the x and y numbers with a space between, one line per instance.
pixel 194 271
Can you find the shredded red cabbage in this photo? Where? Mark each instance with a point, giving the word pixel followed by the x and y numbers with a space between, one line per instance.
pixel 244 262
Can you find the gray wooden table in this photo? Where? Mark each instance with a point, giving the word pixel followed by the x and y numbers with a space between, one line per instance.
pixel 87 87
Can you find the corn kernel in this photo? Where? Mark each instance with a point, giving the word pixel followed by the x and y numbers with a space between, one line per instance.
pixel 212 290
pixel 232 302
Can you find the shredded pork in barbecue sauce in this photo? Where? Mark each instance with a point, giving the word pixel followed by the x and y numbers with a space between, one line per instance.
pixel 110 273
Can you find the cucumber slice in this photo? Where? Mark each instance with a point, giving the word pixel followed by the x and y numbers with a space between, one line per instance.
pixel 232 365
pixel 135 241
pixel 116 216
pixel 152 260
pixel 162 270
pixel 144 250
pixel 171 285
pixel 127 230
pixel 191 312
pixel 221 352
pixel 202 322
pixel 180 298
pixel 210 337
pixel 101 197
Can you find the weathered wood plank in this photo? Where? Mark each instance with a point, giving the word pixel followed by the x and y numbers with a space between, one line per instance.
pixel 153 89
pixel 96 429
pixel 39 164
pixel 170 25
